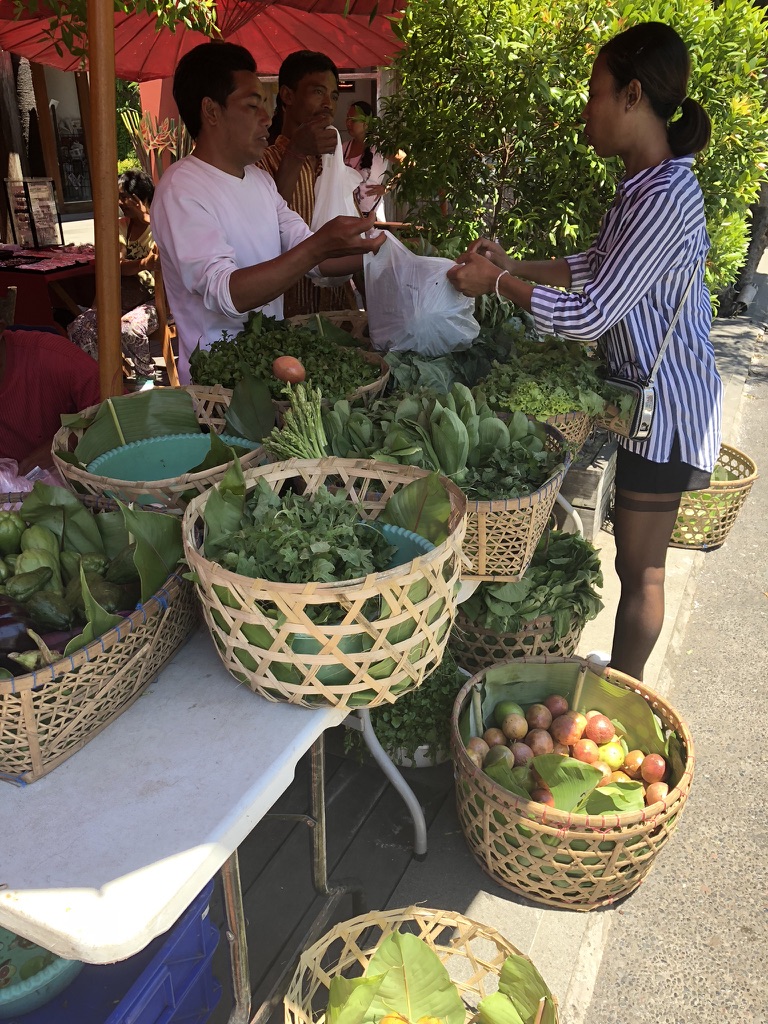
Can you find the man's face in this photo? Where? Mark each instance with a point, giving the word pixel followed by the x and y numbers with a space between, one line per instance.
pixel 242 124
pixel 316 94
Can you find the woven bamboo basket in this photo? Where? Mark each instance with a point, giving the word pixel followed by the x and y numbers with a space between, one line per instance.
pixel 705 518
pixel 475 648
pixel 358 662
pixel 353 321
pixel 48 715
pixel 170 493
pixel 472 953
pixel 502 535
pixel 564 860
pixel 575 427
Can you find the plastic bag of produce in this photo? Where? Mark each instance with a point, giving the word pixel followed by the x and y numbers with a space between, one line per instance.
pixel 411 304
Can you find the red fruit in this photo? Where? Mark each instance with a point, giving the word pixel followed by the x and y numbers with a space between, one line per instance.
pixel 591 714
pixel 632 763
pixel 494 737
pixel 653 768
pixel 514 727
pixel 568 728
pixel 600 729
pixel 543 796
pixel 655 792
pixel 561 748
pixel 620 777
pixel 605 769
pixel 538 716
pixel 556 705
pixel 522 753
pixel 289 369
pixel 478 745
pixel 586 750
pixel 540 742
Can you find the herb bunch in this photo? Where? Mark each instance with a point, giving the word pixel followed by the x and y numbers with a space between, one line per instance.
pixel 335 369
pixel 295 538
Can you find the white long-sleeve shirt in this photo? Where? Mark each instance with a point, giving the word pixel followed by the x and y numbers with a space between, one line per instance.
pixel 625 291
pixel 208 223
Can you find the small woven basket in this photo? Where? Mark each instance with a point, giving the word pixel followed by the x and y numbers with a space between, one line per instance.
pixel 564 860
pixel 472 953
pixel 209 409
pixel 705 518
pixel 359 662
pixel 502 535
pixel 475 648
pixel 48 715
pixel 575 427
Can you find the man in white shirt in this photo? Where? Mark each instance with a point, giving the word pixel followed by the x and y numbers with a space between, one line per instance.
pixel 228 242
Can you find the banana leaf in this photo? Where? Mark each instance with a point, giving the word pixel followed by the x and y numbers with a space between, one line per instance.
pixel 99 620
pixel 65 515
pixel 223 511
pixel 349 999
pixel 251 411
pixel 619 797
pixel 521 985
pixel 502 774
pixel 331 332
pixel 569 780
pixel 158 546
pixel 498 1008
pixel 415 983
pixel 219 454
pixel 76 420
pixel 422 506
pixel 153 413
pixel 113 532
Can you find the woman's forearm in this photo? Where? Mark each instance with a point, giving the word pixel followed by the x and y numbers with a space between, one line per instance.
pixel 555 273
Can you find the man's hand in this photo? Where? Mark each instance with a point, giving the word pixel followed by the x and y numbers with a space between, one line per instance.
pixel 314 137
pixel 346 236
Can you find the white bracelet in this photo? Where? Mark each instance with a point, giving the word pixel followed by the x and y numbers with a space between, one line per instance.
pixel 496 286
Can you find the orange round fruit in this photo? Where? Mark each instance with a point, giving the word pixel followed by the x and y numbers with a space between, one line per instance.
pixel 289 369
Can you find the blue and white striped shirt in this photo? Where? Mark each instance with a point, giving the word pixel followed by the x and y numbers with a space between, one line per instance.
pixel 626 288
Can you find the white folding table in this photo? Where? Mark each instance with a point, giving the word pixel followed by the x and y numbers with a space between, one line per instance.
pixel 107 852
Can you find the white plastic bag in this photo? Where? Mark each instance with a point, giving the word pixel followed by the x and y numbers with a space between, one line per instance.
pixel 335 188
pixel 411 304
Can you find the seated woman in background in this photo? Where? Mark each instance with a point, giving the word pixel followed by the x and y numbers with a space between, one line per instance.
pixel 138 256
pixel 366 160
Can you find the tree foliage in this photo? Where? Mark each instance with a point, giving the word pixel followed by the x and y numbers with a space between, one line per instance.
pixel 488 115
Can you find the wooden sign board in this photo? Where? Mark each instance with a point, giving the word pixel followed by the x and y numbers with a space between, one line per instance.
pixel 34 214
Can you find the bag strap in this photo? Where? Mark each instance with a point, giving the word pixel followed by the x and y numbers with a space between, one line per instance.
pixel 670 329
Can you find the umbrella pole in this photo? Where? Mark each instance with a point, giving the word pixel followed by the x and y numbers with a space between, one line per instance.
pixel 101 60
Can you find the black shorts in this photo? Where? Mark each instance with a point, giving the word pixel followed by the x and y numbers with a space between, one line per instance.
pixel 636 473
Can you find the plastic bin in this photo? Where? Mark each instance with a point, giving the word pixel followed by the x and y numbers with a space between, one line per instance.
pixel 169 982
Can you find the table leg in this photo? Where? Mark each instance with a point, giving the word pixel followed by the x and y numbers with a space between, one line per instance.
pixel 384 762
pixel 61 294
pixel 238 943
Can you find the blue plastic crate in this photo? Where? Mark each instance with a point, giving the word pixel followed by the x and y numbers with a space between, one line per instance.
pixel 169 982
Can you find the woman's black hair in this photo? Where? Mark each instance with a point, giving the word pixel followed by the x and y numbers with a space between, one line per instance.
pixel 366 159
pixel 137 183
pixel 297 65
pixel 655 55
pixel 207 71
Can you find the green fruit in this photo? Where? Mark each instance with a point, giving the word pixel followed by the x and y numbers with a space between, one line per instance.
pixel 504 708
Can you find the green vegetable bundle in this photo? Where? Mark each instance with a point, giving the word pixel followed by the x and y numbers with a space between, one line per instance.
pixel 71 569
pixel 335 369
pixel 561 582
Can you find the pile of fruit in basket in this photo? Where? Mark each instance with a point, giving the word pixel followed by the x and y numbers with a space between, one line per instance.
pixel 330 360
pixel 536 749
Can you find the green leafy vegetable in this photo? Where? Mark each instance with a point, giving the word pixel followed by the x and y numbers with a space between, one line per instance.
pixel 158 546
pixel 250 413
pixel 415 983
pixel 422 506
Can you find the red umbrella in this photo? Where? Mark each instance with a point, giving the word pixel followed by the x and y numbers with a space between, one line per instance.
pixel 270 31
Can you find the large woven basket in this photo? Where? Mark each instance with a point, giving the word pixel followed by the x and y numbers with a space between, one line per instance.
pixel 48 715
pixel 472 953
pixel 358 662
pixel 502 535
pixel 575 427
pixel 173 493
pixel 563 860
pixel 476 648
pixel 705 518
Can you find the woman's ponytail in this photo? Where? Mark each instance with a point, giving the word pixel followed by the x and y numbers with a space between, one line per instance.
pixel 690 132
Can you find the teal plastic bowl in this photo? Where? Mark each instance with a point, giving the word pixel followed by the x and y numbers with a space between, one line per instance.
pixel 408 545
pixel 30 976
pixel 159 458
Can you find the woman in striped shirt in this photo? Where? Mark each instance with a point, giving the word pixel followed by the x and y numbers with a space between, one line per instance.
pixel 625 290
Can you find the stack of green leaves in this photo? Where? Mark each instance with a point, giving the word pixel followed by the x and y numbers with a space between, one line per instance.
pixel 406 980
pixel 337 369
pixel 561 582
pixel 545 377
